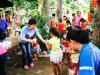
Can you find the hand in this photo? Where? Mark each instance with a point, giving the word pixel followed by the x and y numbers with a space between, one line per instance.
pixel 31 41
pixel 46 41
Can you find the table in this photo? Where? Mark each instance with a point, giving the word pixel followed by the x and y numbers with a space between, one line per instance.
pixel 14 46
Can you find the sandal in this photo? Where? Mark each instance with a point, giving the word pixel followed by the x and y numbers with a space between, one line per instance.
pixel 31 65
pixel 26 67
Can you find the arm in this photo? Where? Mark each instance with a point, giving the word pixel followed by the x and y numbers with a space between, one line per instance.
pixel 48 45
pixel 40 37
pixel 24 39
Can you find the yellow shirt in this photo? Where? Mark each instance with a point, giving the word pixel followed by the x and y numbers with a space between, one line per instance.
pixel 65 24
pixel 55 42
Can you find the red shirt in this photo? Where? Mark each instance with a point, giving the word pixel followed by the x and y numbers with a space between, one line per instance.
pixel 60 27
pixel 83 26
pixel 66 45
pixel 35 44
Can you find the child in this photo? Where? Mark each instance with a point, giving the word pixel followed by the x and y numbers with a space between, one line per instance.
pixel 60 27
pixel 89 26
pixel 68 23
pixel 65 49
pixel 35 50
pixel 83 23
pixel 53 22
pixel 66 45
pixel 56 54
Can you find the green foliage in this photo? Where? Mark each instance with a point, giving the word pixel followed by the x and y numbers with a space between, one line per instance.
pixel 21 26
pixel 29 5
pixel 42 26
pixel 67 1
pixel 92 10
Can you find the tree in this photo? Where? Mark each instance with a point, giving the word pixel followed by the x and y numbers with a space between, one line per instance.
pixel 96 33
pixel 45 7
pixel 59 9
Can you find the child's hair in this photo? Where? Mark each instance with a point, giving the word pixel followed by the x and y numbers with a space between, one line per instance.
pixel 59 20
pixel 64 16
pixel 82 19
pixel 77 26
pixel 73 14
pixel 69 28
pixel 53 14
pixel 78 35
pixel 68 22
pixel 54 31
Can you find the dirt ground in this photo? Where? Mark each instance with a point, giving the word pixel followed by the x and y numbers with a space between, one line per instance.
pixel 42 65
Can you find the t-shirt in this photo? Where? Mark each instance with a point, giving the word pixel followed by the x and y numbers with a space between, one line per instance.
pixel 3 25
pixel 25 32
pixel 55 42
pixel 89 60
pixel 89 27
pixel 65 24
pixel 77 20
pixel 83 26
pixel 61 27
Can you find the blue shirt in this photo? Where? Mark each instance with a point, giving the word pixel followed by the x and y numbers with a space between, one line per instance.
pixel 89 60
pixel 3 25
pixel 25 32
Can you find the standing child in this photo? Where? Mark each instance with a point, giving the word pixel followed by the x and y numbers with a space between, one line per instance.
pixel 66 45
pixel 56 54
pixel 65 49
pixel 35 50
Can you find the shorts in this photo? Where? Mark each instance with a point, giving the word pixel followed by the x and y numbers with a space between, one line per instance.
pixel 36 49
pixel 65 49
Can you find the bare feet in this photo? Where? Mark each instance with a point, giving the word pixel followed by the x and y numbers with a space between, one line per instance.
pixel 34 59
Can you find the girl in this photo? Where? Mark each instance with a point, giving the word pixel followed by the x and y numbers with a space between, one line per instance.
pixel 89 58
pixel 56 54
pixel 66 46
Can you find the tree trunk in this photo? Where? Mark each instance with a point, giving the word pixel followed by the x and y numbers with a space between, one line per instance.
pixel 96 33
pixel 59 9
pixel 45 7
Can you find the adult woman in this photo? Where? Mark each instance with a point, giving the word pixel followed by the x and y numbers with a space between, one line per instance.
pixel 24 41
pixel 89 63
pixel 77 18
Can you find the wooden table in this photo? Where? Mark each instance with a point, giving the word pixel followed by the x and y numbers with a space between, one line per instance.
pixel 15 55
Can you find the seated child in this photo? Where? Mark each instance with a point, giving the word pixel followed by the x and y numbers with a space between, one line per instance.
pixel 35 50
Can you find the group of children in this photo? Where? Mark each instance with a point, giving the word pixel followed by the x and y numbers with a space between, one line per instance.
pixel 63 27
